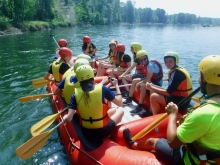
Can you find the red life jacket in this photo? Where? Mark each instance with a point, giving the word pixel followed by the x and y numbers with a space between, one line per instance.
pixel 122 63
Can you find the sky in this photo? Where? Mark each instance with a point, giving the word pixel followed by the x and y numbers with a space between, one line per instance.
pixel 203 8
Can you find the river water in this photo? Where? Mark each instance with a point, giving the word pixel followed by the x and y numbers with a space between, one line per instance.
pixel 27 56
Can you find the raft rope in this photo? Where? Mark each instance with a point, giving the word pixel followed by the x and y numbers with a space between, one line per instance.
pixel 77 147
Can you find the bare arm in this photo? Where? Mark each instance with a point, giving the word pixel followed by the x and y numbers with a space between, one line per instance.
pixel 58 91
pixel 118 98
pixel 159 90
pixel 128 70
pixel 68 117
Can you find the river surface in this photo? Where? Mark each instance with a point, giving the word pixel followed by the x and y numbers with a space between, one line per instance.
pixel 27 56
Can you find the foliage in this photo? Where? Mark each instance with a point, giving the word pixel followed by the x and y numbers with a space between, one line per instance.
pixel 101 12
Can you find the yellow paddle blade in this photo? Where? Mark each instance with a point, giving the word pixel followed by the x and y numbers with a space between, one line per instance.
pixel 151 126
pixel 40 126
pixel 27 149
pixel 39 80
pixel 40 84
pixel 33 97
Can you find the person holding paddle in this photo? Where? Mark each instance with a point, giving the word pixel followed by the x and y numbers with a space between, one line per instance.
pixel 97 120
pixel 59 66
pixel 113 59
pixel 69 83
pixel 61 43
pixel 138 76
pixel 153 72
pixel 197 140
pixel 179 85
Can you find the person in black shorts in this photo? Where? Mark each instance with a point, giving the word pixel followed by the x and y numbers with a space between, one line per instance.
pixel 179 85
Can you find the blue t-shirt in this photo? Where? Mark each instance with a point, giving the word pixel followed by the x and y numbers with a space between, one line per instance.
pixel 152 67
pixel 106 93
pixel 73 80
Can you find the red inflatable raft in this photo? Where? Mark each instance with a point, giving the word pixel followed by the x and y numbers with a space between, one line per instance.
pixel 109 151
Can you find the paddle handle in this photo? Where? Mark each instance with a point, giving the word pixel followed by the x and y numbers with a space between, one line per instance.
pixel 55 40
pixel 150 127
pixel 120 86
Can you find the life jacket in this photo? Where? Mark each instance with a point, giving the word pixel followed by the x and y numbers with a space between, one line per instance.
pixel 185 88
pixel 69 72
pixel 122 63
pixel 156 76
pixel 90 49
pixel 69 89
pixel 113 56
pixel 55 69
pixel 94 115
pixel 204 154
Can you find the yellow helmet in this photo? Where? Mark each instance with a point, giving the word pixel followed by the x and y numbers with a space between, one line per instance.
pixel 141 53
pixel 136 46
pixel 80 62
pixel 84 72
pixel 112 42
pixel 172 54
pixel 210 68
pixel 85 57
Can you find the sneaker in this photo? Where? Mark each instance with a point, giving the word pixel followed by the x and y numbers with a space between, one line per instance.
pixel 125 94
pixel 136 110
pixel 127 137
pixel 145 114
pixel 127 101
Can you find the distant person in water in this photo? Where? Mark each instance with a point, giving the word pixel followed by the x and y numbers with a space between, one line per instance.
pixel 61 43
pixel 97 120
pixel 59 66
pixel 113 57
pixel 89 48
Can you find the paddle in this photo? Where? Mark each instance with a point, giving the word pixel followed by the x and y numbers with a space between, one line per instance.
pixel 197 99
pixel 27 149
pixel 43 124
pixel 52 36
pixel 155 123
pixel 113 87
pixel 37 83
pixel 33 97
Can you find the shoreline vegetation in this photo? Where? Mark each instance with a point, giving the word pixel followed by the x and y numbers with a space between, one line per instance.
pixel 21 16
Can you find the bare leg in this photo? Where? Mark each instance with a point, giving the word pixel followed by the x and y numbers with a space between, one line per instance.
pixel 111 112
pixel 156 101
pixel 117 116
pixel 132 89
pixel 142 93
pixel 125 81
pixel 99 69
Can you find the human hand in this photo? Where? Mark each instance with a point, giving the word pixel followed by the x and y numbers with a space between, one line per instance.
pixel 120 77
pixel 114 81
pixel 148 86
pixel 171 108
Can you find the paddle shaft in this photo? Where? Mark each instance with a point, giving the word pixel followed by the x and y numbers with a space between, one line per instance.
pixel 55 40
pixel 159 120
pixel 120 86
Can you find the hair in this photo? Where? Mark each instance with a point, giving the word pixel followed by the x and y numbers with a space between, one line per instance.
pixel 85 87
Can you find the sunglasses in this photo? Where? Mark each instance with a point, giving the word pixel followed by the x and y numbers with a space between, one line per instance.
pixel 144 59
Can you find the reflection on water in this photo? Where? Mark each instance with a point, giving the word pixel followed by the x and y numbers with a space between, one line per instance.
pixel 27 57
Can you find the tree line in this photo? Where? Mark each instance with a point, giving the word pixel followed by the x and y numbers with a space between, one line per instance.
pixel 95 12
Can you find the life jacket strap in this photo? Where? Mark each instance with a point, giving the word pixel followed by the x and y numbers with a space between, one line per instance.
pixel 91 120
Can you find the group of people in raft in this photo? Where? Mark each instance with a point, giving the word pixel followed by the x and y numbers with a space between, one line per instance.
pixel 195 141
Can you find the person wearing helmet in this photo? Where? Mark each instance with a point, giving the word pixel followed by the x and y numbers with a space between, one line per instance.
pixel 196 140
pixel 153 73
pixel 69 81
pixel 112 63
pixel 61 43
pixel 59 66
pixel 89 48
pixel 124 61
pixel 84 56
pixel 97 120
pixel 138 76
pixel 179 85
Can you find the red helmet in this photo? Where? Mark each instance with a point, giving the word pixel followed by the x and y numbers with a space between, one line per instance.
pixel 120 48
pixel 86 39
pixel 64 52
pixel 62 43
pixel 115 41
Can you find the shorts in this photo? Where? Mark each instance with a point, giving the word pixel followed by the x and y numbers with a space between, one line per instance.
pixel 176 100
pixel 99 133
pixel 141 76
pixel 173 156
